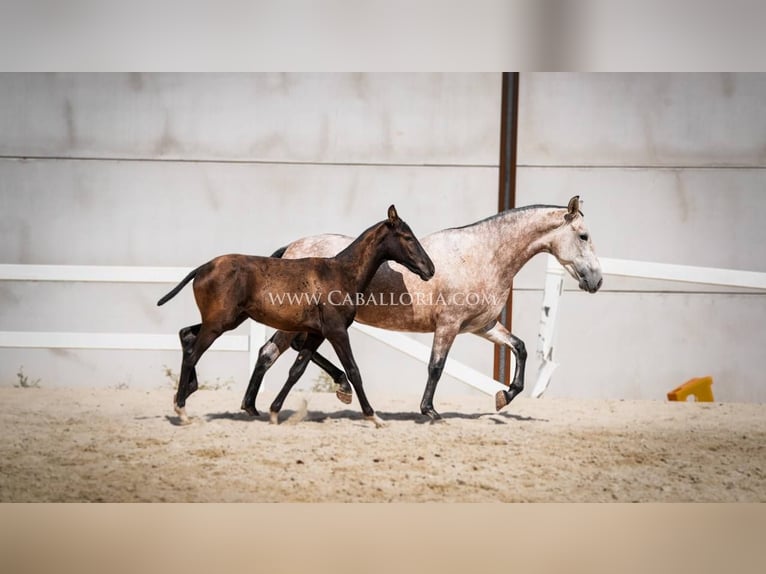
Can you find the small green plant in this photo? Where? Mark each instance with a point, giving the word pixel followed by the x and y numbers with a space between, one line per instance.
pixel 217 385
pixel 121 386
pixel 324 384
pixel 168 372
pixel 24 382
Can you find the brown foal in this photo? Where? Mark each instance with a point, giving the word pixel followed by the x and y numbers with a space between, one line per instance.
pixel 312 295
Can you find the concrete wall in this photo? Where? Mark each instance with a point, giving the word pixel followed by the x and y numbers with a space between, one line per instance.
pixel 671 169
pixel 171 169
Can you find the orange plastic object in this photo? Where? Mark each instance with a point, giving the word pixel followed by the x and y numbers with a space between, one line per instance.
pixel 700 388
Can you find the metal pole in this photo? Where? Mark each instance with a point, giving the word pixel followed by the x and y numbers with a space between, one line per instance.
pixel 507 199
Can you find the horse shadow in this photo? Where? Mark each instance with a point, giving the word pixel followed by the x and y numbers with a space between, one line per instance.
pixel 312 416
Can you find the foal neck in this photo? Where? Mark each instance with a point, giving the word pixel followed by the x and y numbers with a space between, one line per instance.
pixel 363 256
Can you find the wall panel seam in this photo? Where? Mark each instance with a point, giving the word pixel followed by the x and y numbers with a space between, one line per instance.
pixel 241 161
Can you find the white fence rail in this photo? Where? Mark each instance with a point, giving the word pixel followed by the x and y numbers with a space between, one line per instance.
pixel 251 342
pixel 92 273
pixel 554 285
pixel 124 341
pixel 146 341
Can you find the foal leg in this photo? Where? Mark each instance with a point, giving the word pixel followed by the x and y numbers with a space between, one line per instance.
pixel 443 339
pixel 191 355
pixel 339 377
pixel 267 355
pixel 188 336
pixel 299 366
pixel 497 333
pixel 340 343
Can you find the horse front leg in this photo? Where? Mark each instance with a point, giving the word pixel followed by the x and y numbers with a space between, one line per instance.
pixel 497 333
pixel 267 356
pixel 340 342
pixel 343 393
pixel 444 336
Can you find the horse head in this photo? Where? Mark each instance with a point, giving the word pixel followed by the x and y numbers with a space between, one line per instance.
pixel 402 246
pixel 572 246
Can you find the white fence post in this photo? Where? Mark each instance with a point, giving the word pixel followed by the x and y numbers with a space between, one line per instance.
pixel 554 284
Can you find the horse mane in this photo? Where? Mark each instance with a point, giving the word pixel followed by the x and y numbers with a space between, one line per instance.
pixel 359 238
pixel 513 210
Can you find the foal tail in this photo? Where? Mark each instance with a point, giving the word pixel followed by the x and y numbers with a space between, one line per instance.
pixel 173 292
pixel 279 252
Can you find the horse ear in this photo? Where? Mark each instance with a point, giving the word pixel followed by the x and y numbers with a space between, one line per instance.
pixel 393 217
pixel 573 208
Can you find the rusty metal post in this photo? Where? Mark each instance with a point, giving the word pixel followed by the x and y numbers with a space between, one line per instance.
pixel 507 199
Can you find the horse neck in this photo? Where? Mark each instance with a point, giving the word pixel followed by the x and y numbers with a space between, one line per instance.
pixel 517 235
pixel 362 257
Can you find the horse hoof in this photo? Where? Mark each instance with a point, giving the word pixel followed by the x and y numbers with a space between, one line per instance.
pixel 433 415
pixel 500 400
pixel 250 410
pixel 274 418
pixel 181 412
pixel 344 397
pixel 377 421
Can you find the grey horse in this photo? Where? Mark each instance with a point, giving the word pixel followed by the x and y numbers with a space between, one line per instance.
pixel 475 265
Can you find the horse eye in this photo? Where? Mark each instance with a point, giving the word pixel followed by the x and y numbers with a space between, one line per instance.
pixel 584 236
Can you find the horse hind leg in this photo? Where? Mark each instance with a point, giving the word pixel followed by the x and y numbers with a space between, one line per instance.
pixel 299 366
pixel 188 336
pixel 191 356
pixel 187 380
pixel 344 392
pixel 267 356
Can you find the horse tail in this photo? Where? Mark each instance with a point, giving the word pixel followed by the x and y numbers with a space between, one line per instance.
pixel 279 252
pixel 173 292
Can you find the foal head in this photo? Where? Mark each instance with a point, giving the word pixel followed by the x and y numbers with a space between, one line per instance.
pixel 571 244
pixel 400 244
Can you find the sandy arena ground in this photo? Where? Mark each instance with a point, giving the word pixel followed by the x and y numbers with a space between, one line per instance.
pixel 125 445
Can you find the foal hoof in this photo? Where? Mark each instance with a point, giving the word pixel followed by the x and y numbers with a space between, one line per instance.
pixel 501 400
pixel 344 397
pixel 249 410
pixel 377 421
pixel 433 415
pixel 181 412
pixel 273 418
